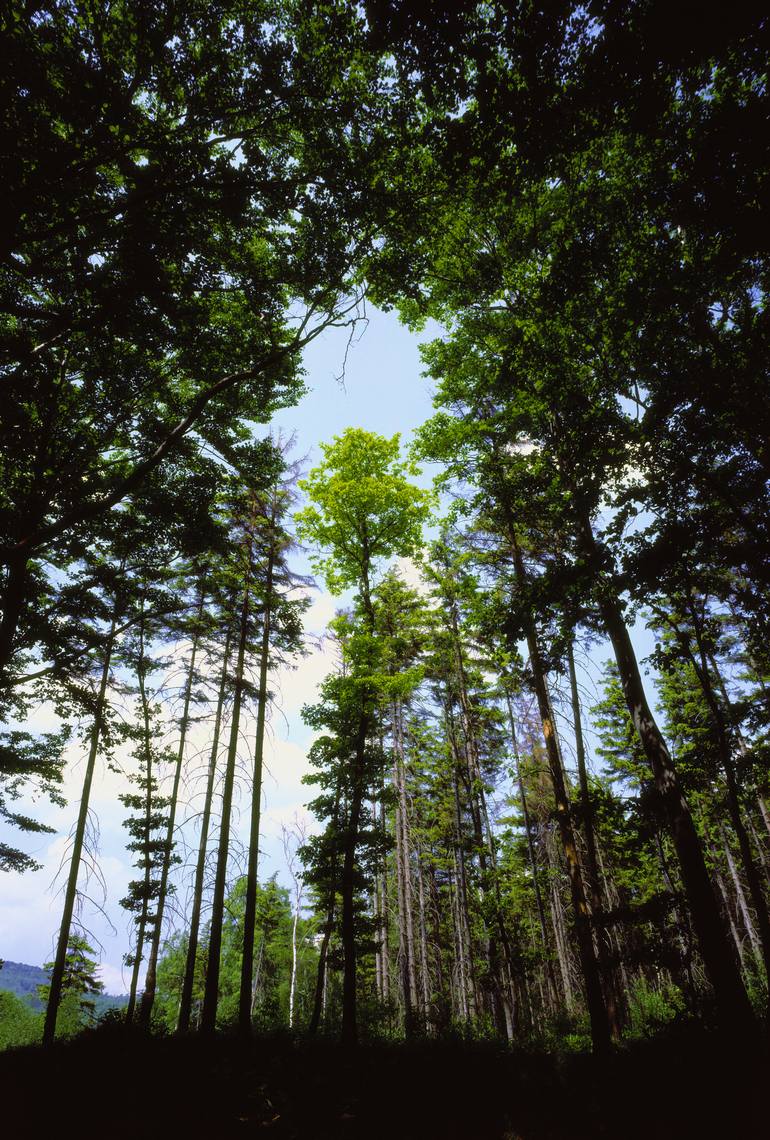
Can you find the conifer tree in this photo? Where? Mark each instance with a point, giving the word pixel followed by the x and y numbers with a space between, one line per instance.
pixel 363 509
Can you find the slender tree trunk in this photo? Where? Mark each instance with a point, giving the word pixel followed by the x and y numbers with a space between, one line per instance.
pixel 403 878
pixel 740 896
pixel 356 799
pixel 378 925
pixel 319 998
pixel 255 981
pixel 597 1012
pixel 320 982
pixel 764 812
pixel 504 989
pixel 293 984
pixel 465 941
pixel 560 938
pixel 424 958
pixel 460 987
pixel 547 962
pixel 70 894
pixel 737 940
pixel 471 774
pixel 211 990
pixel 145 918
pixel 138 955
pixel 348 932
pixel 726 903
pixel 759 848
pixel 753 879
pixel 148 996
pixel 250 912
pixel 597 908
pixel 185 1003
pixel 385 909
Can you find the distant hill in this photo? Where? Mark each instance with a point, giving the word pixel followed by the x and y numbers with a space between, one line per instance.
pixel 23 980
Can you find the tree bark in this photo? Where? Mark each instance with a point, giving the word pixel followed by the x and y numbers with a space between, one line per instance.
pixel 348 891
pixel 467 974
pixel 148 774
pixel 701 667
pixel 597 1012
pixel 406 961
pixel 729 991
pixel 148 996
pixel 185 1003
pixel 211 990
pixel 250 912
pixel 319 996
pixel 547 962
pixel 597 909
pixel 424 960
pixel 740 895
pixel 724 975
pixel 70 894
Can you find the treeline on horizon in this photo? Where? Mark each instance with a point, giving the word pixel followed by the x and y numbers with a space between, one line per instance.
pixel 574 194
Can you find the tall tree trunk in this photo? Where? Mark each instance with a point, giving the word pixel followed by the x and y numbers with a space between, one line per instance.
pixel 385 913
pixel 211 989
pixel 764 812
pixel 424 959
pixel 378 926
pixel 597 908
pixel 597 1012
pixel 145 917
pixel 185 1003
pixel 319 997
pixel 320 983
pixel 293 983
pixel 547 962
pixel 740 896
pixel 459 976
pixel 348 883
pixel 467 972
pixel 724 975
pixel 726 903
pixel 721 731
pixel 250 912
pixel 70 894
pixel 505 994
pixel 681 917
pixel 403 877
pixel 759 848
pixel 562 943
pixel 148 996
pixel 355 803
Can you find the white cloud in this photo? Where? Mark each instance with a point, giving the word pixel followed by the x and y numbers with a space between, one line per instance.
pixel 411 574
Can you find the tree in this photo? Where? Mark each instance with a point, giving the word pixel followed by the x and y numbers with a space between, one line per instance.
pixel 292 839
pixel 363 509
pixel 79 982
pixel 19 1025
pixel 281 635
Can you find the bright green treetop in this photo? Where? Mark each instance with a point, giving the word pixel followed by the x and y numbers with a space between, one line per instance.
pixel 362 508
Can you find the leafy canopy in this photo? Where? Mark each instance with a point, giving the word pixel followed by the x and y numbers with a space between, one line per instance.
pixel 363 507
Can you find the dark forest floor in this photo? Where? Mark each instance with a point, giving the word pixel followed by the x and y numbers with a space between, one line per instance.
pixel 112 1084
